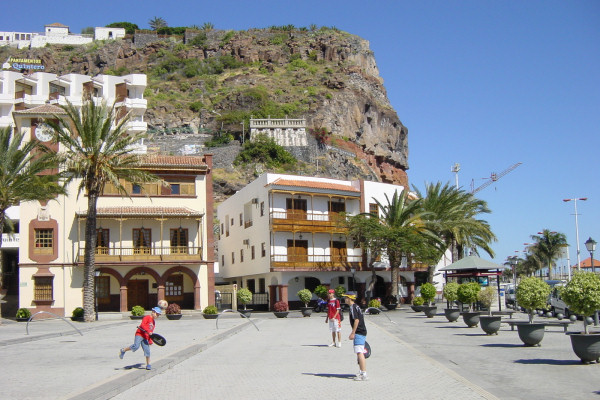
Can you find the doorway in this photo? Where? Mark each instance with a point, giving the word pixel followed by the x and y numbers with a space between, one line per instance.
pixel 137 293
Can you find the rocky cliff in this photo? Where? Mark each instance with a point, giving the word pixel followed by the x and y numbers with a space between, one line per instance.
pixel 215 80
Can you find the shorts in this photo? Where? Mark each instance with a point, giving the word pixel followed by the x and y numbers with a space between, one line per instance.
pixel 359 343
pixel 141 341
pixel 335 325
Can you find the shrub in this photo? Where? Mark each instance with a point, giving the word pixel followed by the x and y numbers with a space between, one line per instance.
pixel 23 313
pixel 450 291
pixel 339 291
pixel 467 293
pixel 210 310
pixel 281 306
pixel 305 295
pixel 137 311
pixel 264 150
pixel 418 301
pixel 321 292
pixel 532 294
pixel 244 296
pixel 376 303
pixel 582 294
pixel 173 308
pixel 486 297
pixel 77 312
pixel 428 292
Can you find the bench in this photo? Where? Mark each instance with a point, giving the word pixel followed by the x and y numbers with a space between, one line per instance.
pixel 564 323
pixel 509 313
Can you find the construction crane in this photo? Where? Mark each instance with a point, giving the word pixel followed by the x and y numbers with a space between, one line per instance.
pixel 493 178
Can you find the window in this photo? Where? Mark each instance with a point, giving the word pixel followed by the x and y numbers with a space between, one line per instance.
pixel 142 241
pixel 103 289
pixel 175 188
pixel 263 249
pixel 222 261
pixel 241 219
pixel 252 252
pixel 174 286
pixel 136 189
pixel 232 258
pixel 44 241
pixel 251 285
pixel 262 208
pixel 42 290
pixel 179 241
pixel 261 286
pixel 102 241
pixel 227 225
pixel 241 255
pixel 337 205
pixel 374 209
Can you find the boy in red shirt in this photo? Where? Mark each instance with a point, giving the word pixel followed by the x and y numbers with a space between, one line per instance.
pixel 333 317
pixel 142 336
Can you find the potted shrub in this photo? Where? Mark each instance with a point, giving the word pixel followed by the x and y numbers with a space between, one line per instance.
pixel 451 295
pixel 417 304
pixel 489 323
pixel 210 312
pixel 532 294
pixel 374 306
pixel 390 303
pixel 173 311
pixel 582 295
pixel 137 312
pixel 23 314
pixel 428 293
pixel 77 314
pixel 304 295
pixel 280 309
pixel 467 294
pixel 244 297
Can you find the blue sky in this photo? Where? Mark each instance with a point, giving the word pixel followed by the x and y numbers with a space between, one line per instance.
pixel 486 84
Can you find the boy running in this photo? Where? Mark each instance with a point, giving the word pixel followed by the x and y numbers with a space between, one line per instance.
pixel 142 336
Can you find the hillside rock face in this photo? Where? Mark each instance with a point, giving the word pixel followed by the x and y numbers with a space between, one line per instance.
pixel 340 89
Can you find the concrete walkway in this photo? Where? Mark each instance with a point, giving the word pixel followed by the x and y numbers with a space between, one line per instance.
pixel 413 357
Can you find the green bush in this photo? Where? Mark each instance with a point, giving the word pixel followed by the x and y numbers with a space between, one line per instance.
pixel 210 310
pixel 582 294
pixel 77 312
pixel 305 295
pixel 339 291
pixel 23 313
pixel 467 293
pixel 264 150
pixel 374 303
pixel 418 301
pixel 450 291
pixel 532 294
pixel 244 296
pixel 137 311
pixel 486 297
pixel 428 292
pixel 321 292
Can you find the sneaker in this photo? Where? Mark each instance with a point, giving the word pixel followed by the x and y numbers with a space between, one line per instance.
pixel 121 354
pixel 361 377
pixel 339 344
pixel 331 345
pixel 148 367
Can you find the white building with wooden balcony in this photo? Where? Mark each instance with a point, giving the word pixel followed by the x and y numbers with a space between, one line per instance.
pixel 280 234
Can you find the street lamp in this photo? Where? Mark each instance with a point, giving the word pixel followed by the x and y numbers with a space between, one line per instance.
pixel 353 270
pixel 576 227
pixel 590 245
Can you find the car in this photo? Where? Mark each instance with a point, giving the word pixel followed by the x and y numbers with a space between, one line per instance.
pixel 509 295
pixel 556 304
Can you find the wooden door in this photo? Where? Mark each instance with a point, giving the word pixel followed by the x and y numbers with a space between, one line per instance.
pixel 137 293
pixel 297 250
pixel 339 251
pixel 296 208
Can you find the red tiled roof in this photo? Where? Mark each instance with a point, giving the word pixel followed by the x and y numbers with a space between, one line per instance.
pixel 587 263
pixel 57 24
pixel 49 109
pixel 158 160
pixel 141 211
pixel 315 185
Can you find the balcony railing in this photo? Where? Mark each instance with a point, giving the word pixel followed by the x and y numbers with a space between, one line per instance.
pixel 11 240
pixel 297 220
pixel 323 262
pixel 116 254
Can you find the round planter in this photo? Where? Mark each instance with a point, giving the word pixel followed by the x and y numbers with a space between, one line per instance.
pixel 174 316
pixel 77 319
pixel 391 307
pixel 430 311
pixel 281 314
pixel 210 316
pixel 490 324
pixel 416 308
pixel 136 316
pixel 22 319
pixel 471 318
pixel 245 313
pixel 452 314
pixel 531 334
pixel 586 347
pixel 306 311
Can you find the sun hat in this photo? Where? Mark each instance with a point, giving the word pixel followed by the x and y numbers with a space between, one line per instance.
pixel 350 295
pixel 331 291
pixel 157 310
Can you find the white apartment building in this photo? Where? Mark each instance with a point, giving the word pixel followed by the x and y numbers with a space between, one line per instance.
pixel 57 33
pixel 279 234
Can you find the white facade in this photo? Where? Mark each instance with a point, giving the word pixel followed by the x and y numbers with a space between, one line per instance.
pixel 285 132
pixel 103 33
pixel 57 33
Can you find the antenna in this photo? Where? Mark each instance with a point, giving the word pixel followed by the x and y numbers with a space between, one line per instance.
pixel 455 168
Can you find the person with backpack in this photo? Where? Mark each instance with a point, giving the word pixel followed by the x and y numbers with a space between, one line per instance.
pixel 358 335
pixel 334 319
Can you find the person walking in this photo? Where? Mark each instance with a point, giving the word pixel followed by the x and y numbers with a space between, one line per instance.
pixel 142 336
pixel 358 334
pixel 333 317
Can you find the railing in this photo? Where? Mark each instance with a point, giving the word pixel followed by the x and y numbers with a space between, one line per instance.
pixel 277 123
pixel 296 215
pixel 318 262
pixel 144 253
pixel 296 258
pixel 298 220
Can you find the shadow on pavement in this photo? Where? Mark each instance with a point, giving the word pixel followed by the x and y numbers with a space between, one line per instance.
pixel 508 345
pixel 341 376
pixel 548 361
pixel 314 345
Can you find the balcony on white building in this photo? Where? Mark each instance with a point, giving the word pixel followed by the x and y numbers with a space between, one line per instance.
pixel 10 241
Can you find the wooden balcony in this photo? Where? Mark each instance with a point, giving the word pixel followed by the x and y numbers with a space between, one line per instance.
pixel 294 220
pixel 315 263
pixel 134 254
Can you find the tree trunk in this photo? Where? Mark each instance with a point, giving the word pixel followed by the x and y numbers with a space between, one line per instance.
pixel 89 260
pixel 549 269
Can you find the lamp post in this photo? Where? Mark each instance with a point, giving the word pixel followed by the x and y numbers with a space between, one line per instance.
pixel 576 227
pixel 590 245
pixel 353 270
pixel 97 273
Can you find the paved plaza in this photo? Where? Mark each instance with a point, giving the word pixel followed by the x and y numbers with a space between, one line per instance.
pixel 414 357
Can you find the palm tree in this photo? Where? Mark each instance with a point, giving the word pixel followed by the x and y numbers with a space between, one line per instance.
pixel 156 23
pixel 20 167
pixel 97 149
pixel 548 246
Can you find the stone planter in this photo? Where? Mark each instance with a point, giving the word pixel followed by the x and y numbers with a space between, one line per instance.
pixel 306 311
pixel 210 316
pixel 490 324
pixel 281 314
pixel 391 306
pixel 416 308
pixel 136 316
pixel 452 314
pixel 245 313
pixel 471 318
pixel 77 319
pixel 430 311
pixel 22 319
pixel 531 334
pixel 586 347
pixel 174 316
